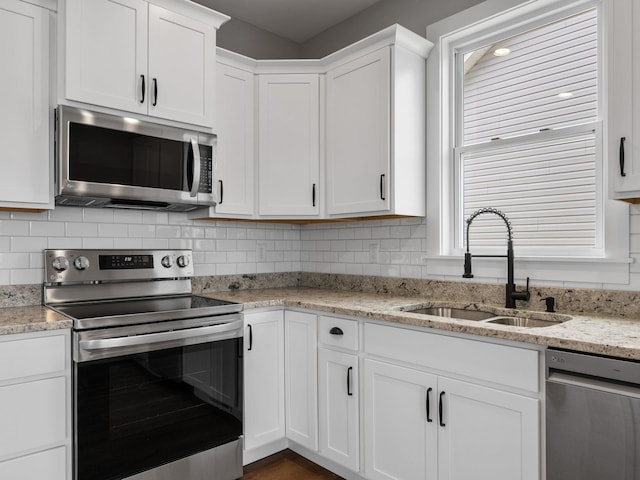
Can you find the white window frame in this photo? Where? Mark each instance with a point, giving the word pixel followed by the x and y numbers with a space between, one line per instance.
pixel 481 25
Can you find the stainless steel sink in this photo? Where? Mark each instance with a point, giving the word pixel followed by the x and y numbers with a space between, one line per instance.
pixel 454 313
pixel 488 317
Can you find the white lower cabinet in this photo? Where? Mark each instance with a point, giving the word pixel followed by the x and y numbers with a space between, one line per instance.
pixel 400 422
pixel 301 378
pixel 35 417
pixel 419 425
pixel 487 434
pixel 264 420
pixel 338 407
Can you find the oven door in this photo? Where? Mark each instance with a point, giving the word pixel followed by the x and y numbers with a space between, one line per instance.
pixel 155 400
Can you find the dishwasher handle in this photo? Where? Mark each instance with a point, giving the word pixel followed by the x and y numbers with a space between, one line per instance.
pixel 594 383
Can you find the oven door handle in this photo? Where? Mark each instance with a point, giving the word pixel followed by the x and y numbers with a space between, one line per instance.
pixel 145 339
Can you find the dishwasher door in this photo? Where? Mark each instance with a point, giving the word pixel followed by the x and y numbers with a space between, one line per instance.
pixel 592 417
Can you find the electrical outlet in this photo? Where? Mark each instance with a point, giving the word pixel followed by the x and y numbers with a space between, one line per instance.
pixel 261 252
pixel 374 252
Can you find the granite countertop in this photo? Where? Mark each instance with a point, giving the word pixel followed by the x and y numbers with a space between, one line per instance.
pixel 31 319
pixel 619 337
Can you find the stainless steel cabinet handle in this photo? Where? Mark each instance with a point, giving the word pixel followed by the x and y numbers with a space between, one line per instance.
pixel 117 342
pixel 195 185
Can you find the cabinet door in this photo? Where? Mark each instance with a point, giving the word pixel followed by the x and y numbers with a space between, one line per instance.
pixel 289 144
pixel 46 465
pixel 338 407
pixel 106 53
pixel 400 423
pixel 487 434
pixel 358 134
pixel 181 68
pixel 263 379
pixel 624 98
pixel 26 179
pixel 301 378
pixel 235 155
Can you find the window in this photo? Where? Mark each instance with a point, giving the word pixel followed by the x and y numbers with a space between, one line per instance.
pixel 517 122
pixel 527 137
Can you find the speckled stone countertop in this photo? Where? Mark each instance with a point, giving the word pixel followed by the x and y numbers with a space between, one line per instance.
pixel 30 319
pixel 619 337
pixel 614 336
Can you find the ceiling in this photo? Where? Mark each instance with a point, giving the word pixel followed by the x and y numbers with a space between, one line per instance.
pixel 295 20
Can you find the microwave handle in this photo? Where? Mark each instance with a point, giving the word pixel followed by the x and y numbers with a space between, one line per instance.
pixel 196 168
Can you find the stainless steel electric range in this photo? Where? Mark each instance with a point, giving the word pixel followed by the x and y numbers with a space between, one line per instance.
pixel 157 381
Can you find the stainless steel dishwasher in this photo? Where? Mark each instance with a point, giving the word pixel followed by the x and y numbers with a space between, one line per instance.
pixel 593 417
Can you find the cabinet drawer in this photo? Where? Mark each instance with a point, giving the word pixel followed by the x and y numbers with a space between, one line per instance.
pixel 47 465
pixel 483 361
pixel 349 338
pixel 33 415
pixel 23 356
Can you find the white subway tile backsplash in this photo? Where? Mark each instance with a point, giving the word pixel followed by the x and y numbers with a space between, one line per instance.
pixel 127 243
pixel 205 245
pixel 221 245
pixel 97 242
pixel 78 229
pixel 66 214
pixel 168 231
pixel 155 243
pixel 14 260
pixel 14 227
pixel 155 218
pixel 142 231
pixel 114 230
pixel 63 242
pixel 26 276
pixel 98 215
pixel 28 244
pixel 46 229
pixel 127 216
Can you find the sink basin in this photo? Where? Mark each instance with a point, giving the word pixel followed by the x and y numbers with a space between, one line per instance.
pixel 489 317
pixel 454 313
pixel 522 322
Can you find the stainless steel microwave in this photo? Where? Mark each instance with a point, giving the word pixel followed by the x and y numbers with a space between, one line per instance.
pixel 106 160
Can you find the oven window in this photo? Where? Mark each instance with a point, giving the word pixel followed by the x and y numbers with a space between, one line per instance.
pixel 140 411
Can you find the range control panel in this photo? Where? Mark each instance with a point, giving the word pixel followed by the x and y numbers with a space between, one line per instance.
pixel 72 266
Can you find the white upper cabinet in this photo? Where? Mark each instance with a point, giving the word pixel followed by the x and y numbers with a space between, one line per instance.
pixel 289 144
pixel 624 99
pixel 27 176
pixel 235 129
pixel 375 145
pixel 358 114
pixel 144 58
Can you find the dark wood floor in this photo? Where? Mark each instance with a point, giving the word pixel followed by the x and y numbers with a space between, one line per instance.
pixel 286 465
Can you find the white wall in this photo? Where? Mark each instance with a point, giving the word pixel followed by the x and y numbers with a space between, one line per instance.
pixel 220 248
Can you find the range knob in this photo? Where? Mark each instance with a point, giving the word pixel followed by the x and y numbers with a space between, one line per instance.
pixel 81 263
pixel 167 261
pixel 60 264
pixel 183 261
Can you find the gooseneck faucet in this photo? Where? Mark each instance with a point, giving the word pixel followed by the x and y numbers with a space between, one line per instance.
pixel 511 294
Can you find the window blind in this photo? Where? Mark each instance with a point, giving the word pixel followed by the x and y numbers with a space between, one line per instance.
pixel 545 184
pixel 547 189
pixel 517 94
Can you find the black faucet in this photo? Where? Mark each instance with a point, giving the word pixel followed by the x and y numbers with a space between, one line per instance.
pixel 511 294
